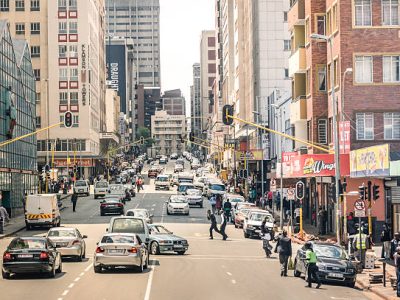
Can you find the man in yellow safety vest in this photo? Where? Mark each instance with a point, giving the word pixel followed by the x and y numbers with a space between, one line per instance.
pixel 361 244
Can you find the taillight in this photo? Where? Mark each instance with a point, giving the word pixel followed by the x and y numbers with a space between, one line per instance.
pixel 7 256
pixel 44 255
pixel 103 205
pixel 120 204
pixel 99 250
pixel 76 242
pixel 132 250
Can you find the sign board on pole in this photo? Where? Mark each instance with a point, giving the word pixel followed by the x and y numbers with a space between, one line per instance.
pixel 273 185
pixel 359 209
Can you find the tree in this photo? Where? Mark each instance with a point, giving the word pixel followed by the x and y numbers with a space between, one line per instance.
pixel 144 132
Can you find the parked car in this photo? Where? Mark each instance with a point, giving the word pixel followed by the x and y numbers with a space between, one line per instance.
pixel 42 210
pixel 163 160
pixel 111 206
pixel 68 241
pixel 334 265
pixel 31 255
pixel 140 213
pixel 194 197
pixel 116 191
pixel 100 189
pixel 162 240
pixel 162 182
pixel 121 250
pixel 125 224
pixel 252 223
pixel 173 156
pixel 81 187
pixel 177 204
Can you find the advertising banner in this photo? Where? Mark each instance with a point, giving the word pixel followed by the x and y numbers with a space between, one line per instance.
pixel 84 162
pixel 116 72
pixel 250 155
pixel 370 161
pixel 344 137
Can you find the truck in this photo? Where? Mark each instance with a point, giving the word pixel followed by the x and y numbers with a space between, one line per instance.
pixel 42 210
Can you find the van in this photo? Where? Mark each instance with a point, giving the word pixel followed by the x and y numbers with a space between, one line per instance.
pixel 42 210
pixel 100 189
pixel 81 187
pixel 125 224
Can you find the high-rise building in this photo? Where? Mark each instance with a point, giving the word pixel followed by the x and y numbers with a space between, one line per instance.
pixel 207 76
pixel 138 20
pixel 151 103
pixel 173 102
pixel 195 102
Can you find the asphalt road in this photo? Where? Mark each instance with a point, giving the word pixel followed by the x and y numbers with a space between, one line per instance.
pixel 211 269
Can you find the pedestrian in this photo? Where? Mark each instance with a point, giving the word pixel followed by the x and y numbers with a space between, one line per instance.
pixel 394 244
pixel 228 208
pixel 284 249
pixel 312 268
pixel 278 201
pixel 267 236
pixel 397 265
pixel 4 218
pixel 269 198
pixel 385 239
pixel 218 204
pixel 138 184
pixel 224 221
pixel 297 214
pixel 321 221
pixel 74 199
pixel 213 202
pixel 213 220
pixel 361 244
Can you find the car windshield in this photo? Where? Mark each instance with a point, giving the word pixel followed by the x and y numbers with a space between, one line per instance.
pixel 192 192
pixel 126 225
pixel 236 200
pixel 80 183
pixel 62 233
pixel 178 200
pixel 330 251
pixel 111 200
pixel 163 178
pixel 26 243
pixel 160 230
pixel 260 217
pixel 184 188
pixel 121 239
pixel 218 187
pixel 101 184
pixel 117 188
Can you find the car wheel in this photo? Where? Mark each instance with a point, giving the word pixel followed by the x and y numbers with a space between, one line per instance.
pixel 52 273
pixel 97 269
pixel 59 269
pixel 59 223
pixel 201 205
pixel 181 252
pixel 351 284
pixel 101 214
pixel 5 274
pixel 296 272
pixel 95 197
pixel 246 235
pixel 168 213
pixel 236 226
pixel 154 248
pixel 87 194
pixel 147 263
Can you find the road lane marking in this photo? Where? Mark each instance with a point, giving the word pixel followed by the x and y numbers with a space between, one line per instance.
pixel 144 195
pixel 65 293
pixel 82 274
pixel 71 285
pixel 229 273
pixel 149 281
pixel 88 268
pixel 77 279
pixel 233 281
pixel 153 205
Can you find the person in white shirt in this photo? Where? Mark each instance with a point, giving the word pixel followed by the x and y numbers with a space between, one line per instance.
pixel 4 217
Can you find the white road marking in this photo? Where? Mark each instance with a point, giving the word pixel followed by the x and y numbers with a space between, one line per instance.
pixel 60 299
pixel 82 274
pixel 65 293
pixel 233 281
pixel 162 214
pixel 144 195
pixel 71 285
pixel 149 282
pixel 77 279
pixel 153 205
pixel 198 234
pixel 229 273
pixel 88 268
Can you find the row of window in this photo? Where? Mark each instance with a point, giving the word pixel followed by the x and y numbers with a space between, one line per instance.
pixel 20 5
pixel 64 26
pixel 64 72
pixel 63 4
pixel 363 12
pixel 65 51
pixel 62 145
pixel 20 28
pixel 364 68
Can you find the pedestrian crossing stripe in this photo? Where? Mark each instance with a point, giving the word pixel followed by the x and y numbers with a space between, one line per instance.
pixel 38 216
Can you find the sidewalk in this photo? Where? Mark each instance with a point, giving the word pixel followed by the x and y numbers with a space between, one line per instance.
pixel 17 224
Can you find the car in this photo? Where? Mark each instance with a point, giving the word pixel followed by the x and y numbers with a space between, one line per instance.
pixel 195 165
pixel 194 197
pixel 174 156
pixel 100 189
pixel 111 206
pixel 252 223
pixel 162 241
pixel 215 188
pixel 234 199
pixel 334 265
pixel 153 172
pixel 118 180
pixel 31 255
pixel 174 180
pixel 162 182
pixel 177 204
pixel 68 241
pixel 163 160
pixel 240 215
pixel 120 250
pixel 178 168
pixel 183 187
pixel 179 161
pixel 127 224
pixel 81 187
pixel 116 191
pixel 158 156
pixel 140 213
pixel 185 177
pixel 131 189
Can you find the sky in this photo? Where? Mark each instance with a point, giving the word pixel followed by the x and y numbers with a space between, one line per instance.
pixel 181 24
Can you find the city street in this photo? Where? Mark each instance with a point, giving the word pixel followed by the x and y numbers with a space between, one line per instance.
pixel 211 269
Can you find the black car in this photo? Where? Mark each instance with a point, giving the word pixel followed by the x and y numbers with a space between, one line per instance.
pixel 333 264
pixel 111 206
pixel 31 255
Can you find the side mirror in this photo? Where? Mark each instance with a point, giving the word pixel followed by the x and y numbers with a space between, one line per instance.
pixel 84 236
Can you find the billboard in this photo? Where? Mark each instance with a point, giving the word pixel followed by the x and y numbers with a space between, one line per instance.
pixel 370 161
pixel 116 72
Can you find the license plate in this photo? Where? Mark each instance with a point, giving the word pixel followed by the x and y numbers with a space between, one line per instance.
pixel 80 191
pixel 257 231
pixel 335 275
pixel 25 255
pixel 115 251
pixel 178 246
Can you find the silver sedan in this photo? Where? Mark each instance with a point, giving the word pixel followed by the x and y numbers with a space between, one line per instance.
pixel 120 250
pixel 68 241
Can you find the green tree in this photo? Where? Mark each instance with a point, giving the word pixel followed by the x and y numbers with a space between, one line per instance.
pixel 144 132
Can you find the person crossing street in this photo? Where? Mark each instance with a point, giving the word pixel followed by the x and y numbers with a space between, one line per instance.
pixel 224 220
pixel 74 199
pixel 284 249
pixel 213 220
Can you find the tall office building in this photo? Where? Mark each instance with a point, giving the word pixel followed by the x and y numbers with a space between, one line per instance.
pixel 195 111
pixel 138 20
pixel 173 102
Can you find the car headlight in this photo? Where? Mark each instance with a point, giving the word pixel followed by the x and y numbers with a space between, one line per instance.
pixel 351 270
pixel 321 266
pixel 185 242
pixel 250 227
pixel 163 242
pixel 170 206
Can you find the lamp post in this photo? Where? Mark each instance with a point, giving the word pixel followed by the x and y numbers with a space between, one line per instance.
pixel 335 128
pixel 259 133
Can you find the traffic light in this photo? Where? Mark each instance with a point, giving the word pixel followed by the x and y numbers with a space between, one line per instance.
pixel 227 112
pixel 191 137
pixel 369 192
pixel 375 192
pixel 141 142
pixel 332 191
pixel 362 192
pixel 68 119
pixel 300 190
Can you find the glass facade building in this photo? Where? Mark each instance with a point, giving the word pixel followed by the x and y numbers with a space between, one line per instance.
pixel 18 160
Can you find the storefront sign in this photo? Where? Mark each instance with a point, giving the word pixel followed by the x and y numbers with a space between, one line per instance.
pixel 250 155
pixel 344 137
pixel 369 162
pixel 84 162
pixel 83 74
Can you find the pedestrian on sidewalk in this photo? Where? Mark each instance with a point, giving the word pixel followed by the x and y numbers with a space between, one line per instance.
pixel 269 198
pixel 224 221
pixel 394 244
pixel 361 243
pixel 74 199
pixel 284 249
pixel 312 267
pixel 4 218
pixel 213 220
pixel 267 236
pixel 278 201
pixel 385 239
pixel 397 265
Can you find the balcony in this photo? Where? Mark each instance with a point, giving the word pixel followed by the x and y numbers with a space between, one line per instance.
pixel 296 13
pixel 297 62
pixel 298 109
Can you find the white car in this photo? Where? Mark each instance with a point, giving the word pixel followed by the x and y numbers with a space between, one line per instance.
pixel 194 197
pixel 100 189
pixel 162 182
pixel 81 187
pixel 177 204
pixel 252 223
pixel 215 188
pixel 140 213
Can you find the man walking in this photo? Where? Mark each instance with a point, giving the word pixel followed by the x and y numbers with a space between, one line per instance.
pixel 74 199
pixel 213 202
pixel 224 220
pixel 213 220
pixel 4 217
pixel 284 249
pixel 312 267
pixel 397 264
pixel 394 244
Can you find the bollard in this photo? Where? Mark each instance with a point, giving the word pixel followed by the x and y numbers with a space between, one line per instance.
pixel 384 273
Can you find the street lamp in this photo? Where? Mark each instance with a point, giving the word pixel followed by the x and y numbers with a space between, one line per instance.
pixel 259 132
pixel 335 127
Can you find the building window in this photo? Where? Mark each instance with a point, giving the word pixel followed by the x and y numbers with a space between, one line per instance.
pixel 4 5
pixel 286 45
pixel 321 75
pixel 365 126
pixel 19 28
pixel 37 97
pixel 390 12
pixel 211 41
pixel 36 72
pixel 38 122
pixel 285 16
pixel 73 27
pixel 307 31
pixel 62 51
pixel 62 4
pixel 364 69
pixel 73 76
pixel 63 98
pixel 212 68
pixel 35 5
pixel 334 18
pixel 62 27
pixel 63 74
pixel 329 22
pixel 75 122
pixel 363 15
pixel 323 131
pixel 72 4
pixel 391 126
pixel 20 5
pixel 286 73
pixel 321 25
pixel 35 28
pixel 391 68
pixel 211 54
pixel 73 97
pixel 62 121
pixel 73 50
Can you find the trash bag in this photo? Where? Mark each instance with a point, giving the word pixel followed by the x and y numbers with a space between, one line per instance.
pixel 290 264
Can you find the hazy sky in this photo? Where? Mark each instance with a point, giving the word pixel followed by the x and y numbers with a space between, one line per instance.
pixel 181 24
